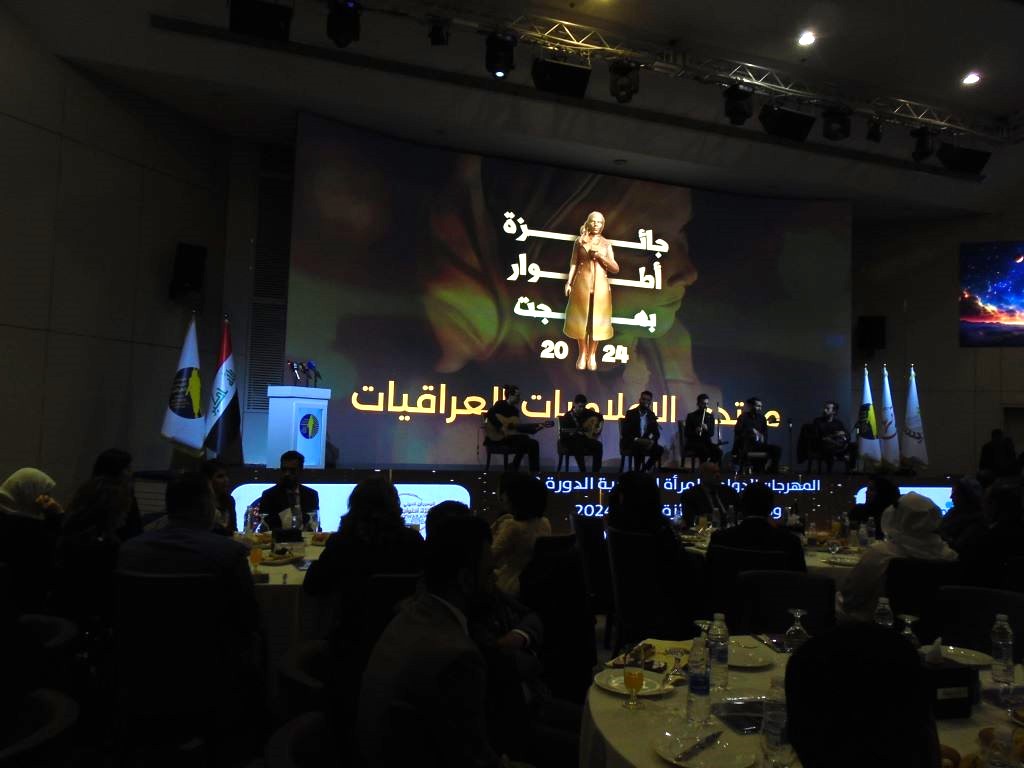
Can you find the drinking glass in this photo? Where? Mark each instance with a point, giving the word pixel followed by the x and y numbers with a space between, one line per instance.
pixel 834 546
pixel 677 672
pixel 908 632
pixel 775 746
pixel 633 677
pixel 255 558
pixel 796 635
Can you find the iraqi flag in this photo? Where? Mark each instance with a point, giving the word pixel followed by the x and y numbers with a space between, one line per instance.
pixel 887 432
pixel 183 422
pixel 869 450
pixel 914 451
pixel 223 420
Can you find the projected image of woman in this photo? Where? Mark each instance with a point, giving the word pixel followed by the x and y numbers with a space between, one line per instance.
pixel 588 314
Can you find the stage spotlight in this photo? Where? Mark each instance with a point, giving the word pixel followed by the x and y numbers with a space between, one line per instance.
pixel 924 144
pixel 962 159
pixel 439 31
pixel 739 103
pixel 561 77
pixel 785 123
pixel 874 131
pixel 343 21
pixel 623 79
pixel 500 58
pixel 835 124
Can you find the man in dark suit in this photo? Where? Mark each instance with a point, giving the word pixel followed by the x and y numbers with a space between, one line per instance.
pixel 756 532
pixel 516 438
pixel 426 679
pixel 709 499
pixel 752 435
pixel 640 433
pixel 278 504
pixel 580 433
pixel 699 432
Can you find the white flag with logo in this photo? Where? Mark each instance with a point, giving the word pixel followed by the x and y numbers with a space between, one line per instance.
pixel 183 421
pixel 914 451
pixel 867 430
pixel 887 434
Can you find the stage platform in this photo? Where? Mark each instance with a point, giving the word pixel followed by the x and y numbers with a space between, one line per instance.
pixel 820 497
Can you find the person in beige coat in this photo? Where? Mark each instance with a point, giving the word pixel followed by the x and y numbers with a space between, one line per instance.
pixel 588 314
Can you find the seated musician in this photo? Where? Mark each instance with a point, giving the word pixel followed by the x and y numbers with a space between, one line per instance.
pixel 580 431
pixel 831 438
pixel 640 432
pixel 752 436
pixel 502 430
pixel 699 432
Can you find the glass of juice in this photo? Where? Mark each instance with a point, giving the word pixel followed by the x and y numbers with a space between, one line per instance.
pixel 255 557
pixel 633 677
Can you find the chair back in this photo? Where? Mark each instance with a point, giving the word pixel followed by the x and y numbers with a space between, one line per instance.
pixel 912 585
pixel 965 616
pixel 553 544
pixel 303 674
pixel 299 743
pixel 43 736
pixel 590 540
pixel 763 600
pixel 723 566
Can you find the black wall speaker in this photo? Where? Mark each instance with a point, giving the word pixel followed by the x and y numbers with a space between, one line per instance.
pixel 869 333
pixel 261 18
pixel 187 276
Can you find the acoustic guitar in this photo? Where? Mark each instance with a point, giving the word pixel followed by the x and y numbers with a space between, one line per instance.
pixel 592 425
pixel 510 426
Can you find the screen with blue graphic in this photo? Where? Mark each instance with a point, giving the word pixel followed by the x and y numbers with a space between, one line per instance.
pixel 992 294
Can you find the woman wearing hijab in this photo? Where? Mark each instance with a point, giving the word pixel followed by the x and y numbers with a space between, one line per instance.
pixel 29 520
pixel 911 530
pixel 26 493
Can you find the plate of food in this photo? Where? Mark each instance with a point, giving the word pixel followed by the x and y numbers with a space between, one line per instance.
pixel 281 557
pixel 964 656
pixel 845 561
pixel 613 681
pixel 683 749
pixel 319 539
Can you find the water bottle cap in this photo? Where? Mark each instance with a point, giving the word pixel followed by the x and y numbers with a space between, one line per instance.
pixel 719 617
pixel 883 601
pixel 1002 617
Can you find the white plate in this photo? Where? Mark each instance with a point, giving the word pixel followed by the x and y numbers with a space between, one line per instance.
pixel 965 656
pixel 750 654
pixel 721 754
pixel 611 681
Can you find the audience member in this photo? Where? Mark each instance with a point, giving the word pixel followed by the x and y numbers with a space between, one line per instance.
pixel 911 531
pixel 525 500
pixel 116 464
pixel 289 496
pixel 881 494
pixel 29 525
pixel 965 520
pixel 426 678
pixel 998 455
pixel 709 498
pixel 985 556
pixel 225 518
pixel 870 681
pixel 27 493
pixel 756 530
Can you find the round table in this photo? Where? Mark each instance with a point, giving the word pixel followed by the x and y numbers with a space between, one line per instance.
pixel 614 737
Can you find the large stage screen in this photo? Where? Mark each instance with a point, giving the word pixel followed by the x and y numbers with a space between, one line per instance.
pixel 423 280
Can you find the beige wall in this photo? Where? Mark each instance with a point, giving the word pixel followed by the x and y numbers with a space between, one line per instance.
pixel 96 190
pixel 909 272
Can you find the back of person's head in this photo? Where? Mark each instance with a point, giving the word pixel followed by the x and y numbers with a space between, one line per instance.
pixel 966 495
pixel 1003 503
pixel 525 494
pixel 635 502
pixel 101 504
pixel 884 492
pixel 374 510
pixel 189 500
pixel 446 510
pixel 869 680
pixel 113 463
pixel 458 556
pixel 22 487
pixel 997 434
pixel 757 500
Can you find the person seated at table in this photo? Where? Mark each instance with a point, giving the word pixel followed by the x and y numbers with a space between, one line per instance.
pixel 709 498
pixel 965 520
pixel 751 435
pixel 524 499
pixel 881 493
pixel 911 531
pixel 30 522
pixel 426 679
pixel 985 557
pixel 864 680
pixel 279 503
pixel 116 464
pixel 756 531
pixel 225 518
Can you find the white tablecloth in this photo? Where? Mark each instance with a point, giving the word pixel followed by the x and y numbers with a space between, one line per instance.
pixel 614 737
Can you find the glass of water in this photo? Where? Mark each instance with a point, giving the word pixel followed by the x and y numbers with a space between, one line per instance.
pixel 775 746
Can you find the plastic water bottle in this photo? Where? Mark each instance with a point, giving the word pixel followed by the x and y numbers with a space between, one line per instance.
pixel 812 533
pixel 863 537
pixel 718 652
pixel 869 526
pixel 1002 651
pixel 698 699
pixel 883 613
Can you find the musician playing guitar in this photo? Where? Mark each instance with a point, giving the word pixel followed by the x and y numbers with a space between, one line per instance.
pixel 502 429
pixel 580 430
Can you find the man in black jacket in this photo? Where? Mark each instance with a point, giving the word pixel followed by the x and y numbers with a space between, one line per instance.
pixel 756 532
pixel 709 498
pixel 640 433
pixel 279 504
pixel 699 431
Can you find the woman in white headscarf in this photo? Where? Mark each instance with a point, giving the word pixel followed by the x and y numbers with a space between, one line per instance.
pixel 26 493
pixel 911 530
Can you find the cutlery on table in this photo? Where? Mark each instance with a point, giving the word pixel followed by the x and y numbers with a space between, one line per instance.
pixel 702 744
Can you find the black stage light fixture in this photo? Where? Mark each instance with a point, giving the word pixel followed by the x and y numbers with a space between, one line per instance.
pixel 785 123
pixel 835 124
pixel 500 58
pixel 924 144
pixel 739 103
pixel 343 21
pixel 623 79
pixel 561 77
pixel 962 159
pixel 439 31
pixel 874 131
pixel 261 18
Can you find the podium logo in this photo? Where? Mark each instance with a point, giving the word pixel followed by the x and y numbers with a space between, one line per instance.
pixel 309 426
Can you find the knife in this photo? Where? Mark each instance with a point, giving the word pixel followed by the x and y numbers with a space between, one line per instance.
pixel 697 748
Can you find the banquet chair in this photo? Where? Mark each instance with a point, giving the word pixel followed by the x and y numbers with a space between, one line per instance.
pixel 763 600
pixel 911 585
pixel 300 743
pixel 597 575
pixel 965 616
pixel 43 731
pixel 724 564
pixel 302 675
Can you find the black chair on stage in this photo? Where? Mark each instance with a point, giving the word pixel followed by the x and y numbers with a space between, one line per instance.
pixel 965 615
pixel 41 737
pixel 300 743
pixel 751 462
pixel 494 449
pixel 763 600
pixel 597 575
pixel 723 566
pixel 912 585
